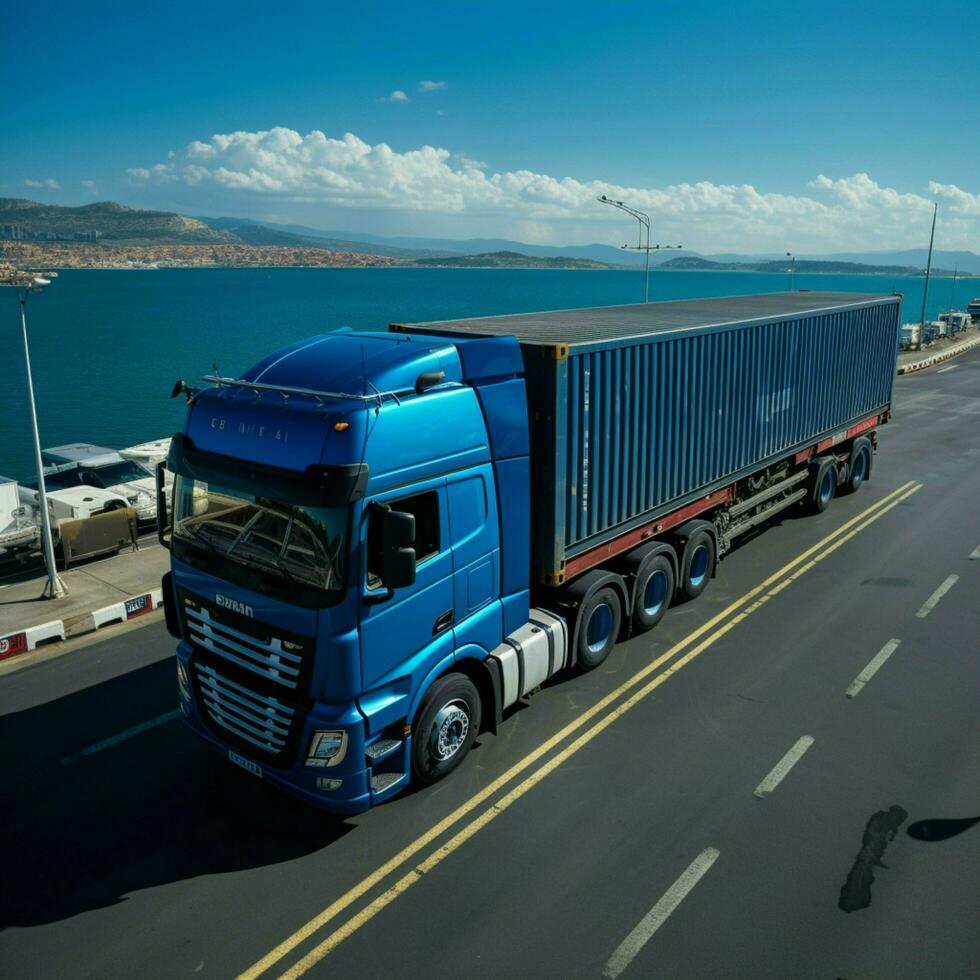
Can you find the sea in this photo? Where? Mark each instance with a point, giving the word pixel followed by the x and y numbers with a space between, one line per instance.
pixel 108 345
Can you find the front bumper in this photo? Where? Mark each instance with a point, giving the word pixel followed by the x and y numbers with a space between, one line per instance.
pixel 352 796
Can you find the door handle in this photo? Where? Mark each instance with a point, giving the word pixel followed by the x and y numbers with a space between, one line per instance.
pixel 444 621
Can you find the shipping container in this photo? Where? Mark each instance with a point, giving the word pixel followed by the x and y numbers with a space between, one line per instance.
pixel 636 410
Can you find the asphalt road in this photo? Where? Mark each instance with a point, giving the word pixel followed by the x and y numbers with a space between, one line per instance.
pixel 785 792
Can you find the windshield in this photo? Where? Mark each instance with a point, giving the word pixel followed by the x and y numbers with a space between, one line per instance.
pixel 115 473
pixel 297 545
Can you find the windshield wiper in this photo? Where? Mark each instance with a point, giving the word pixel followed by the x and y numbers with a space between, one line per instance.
pixel 199 541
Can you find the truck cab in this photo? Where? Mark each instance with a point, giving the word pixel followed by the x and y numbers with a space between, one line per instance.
pixel 335 554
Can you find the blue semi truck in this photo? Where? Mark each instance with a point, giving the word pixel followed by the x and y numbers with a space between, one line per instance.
pixel 381 541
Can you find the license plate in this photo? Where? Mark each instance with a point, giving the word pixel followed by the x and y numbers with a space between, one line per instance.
pixel 134 607
pixel 245 764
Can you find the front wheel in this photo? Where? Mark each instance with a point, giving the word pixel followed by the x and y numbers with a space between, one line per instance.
pixel 448 722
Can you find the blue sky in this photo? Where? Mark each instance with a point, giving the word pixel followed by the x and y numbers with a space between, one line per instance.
pixel 718 118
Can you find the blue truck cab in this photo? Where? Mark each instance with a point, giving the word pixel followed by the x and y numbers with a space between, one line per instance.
pixel 335 554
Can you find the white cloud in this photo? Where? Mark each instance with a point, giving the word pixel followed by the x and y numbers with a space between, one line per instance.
pixel 398 96
pixel 430 86
pixel 50 184
pixel 835 214
pixel 89 185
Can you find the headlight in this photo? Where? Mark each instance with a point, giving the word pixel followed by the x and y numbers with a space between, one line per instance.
pixel 183 681
pixel 327 748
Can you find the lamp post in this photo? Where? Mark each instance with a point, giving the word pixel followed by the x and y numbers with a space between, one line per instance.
pixel 792 272
pixel 644 220
pixel 27 283
pixel 925 290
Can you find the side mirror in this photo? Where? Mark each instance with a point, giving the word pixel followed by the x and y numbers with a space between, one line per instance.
pixel 162 527
pixel 398 555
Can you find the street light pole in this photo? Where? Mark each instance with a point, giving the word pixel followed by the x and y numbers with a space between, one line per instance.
pixel 644 220
pixel 792 272
pixel 925 291
pixel 54 588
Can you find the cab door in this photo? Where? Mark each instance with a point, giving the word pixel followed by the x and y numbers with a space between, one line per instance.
pixel 476 557
pixel 404 635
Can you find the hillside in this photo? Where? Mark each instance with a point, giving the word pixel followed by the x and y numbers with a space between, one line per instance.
pixel 511 260
pixel 105 222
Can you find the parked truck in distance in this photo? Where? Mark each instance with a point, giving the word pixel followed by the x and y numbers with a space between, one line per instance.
pixel 382 541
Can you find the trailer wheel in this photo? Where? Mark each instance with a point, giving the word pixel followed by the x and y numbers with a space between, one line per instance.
pixel 599 619
pixel 652 593
pixel 825 490
pixel 858 469
pixel 448 721
pixel 696 564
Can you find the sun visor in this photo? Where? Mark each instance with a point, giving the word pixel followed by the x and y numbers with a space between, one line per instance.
pixel 318 485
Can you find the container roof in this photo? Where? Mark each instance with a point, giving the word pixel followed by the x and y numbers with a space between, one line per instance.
pixel 584 326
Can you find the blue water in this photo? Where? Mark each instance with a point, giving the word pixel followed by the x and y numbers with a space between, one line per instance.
pixel 108 346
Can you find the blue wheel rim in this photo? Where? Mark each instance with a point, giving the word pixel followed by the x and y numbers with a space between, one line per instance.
pixel 860 467
pixel 655 593
pixel 699 566
pixel 599 628
pixel 827 486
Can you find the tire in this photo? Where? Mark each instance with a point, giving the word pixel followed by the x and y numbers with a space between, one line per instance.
pixel 825 490
pixel 858 469
pixel 697 564
pixel 598 627
pixel 448 722
pixel 652 593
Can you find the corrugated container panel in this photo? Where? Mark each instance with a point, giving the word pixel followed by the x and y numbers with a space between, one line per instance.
pixel 666 417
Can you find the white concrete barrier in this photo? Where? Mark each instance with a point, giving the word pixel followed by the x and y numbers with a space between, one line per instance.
pixel 14 644
pixel 131 608
pixel 936 358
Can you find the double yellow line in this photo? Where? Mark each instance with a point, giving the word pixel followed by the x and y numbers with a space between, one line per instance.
pixel 712 631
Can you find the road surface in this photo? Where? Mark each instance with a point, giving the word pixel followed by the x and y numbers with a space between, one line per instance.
pixel 778 781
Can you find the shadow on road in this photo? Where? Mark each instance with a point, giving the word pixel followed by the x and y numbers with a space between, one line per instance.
pixel 153 809
pixel 939 828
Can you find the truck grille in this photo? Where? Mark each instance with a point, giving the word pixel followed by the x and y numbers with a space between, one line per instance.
pixel 251 686
pixel 248 644
pixel 261 720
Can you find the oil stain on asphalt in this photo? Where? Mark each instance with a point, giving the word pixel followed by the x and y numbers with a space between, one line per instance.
pixel 881 828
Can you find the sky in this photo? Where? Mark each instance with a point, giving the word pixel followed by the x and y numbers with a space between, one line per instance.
pixel 749 127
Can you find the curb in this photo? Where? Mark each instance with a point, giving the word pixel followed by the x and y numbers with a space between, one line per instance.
pixel 23 641
pixel 936 358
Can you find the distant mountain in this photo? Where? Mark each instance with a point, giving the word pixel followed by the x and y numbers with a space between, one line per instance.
pixel 803 266
pixel 511 260
pixel 297 236
pixel 113 224
pixel 608 254
pixel 963 261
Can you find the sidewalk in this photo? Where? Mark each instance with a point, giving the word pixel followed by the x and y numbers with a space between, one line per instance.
pixel 114 589
pixel 915 360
